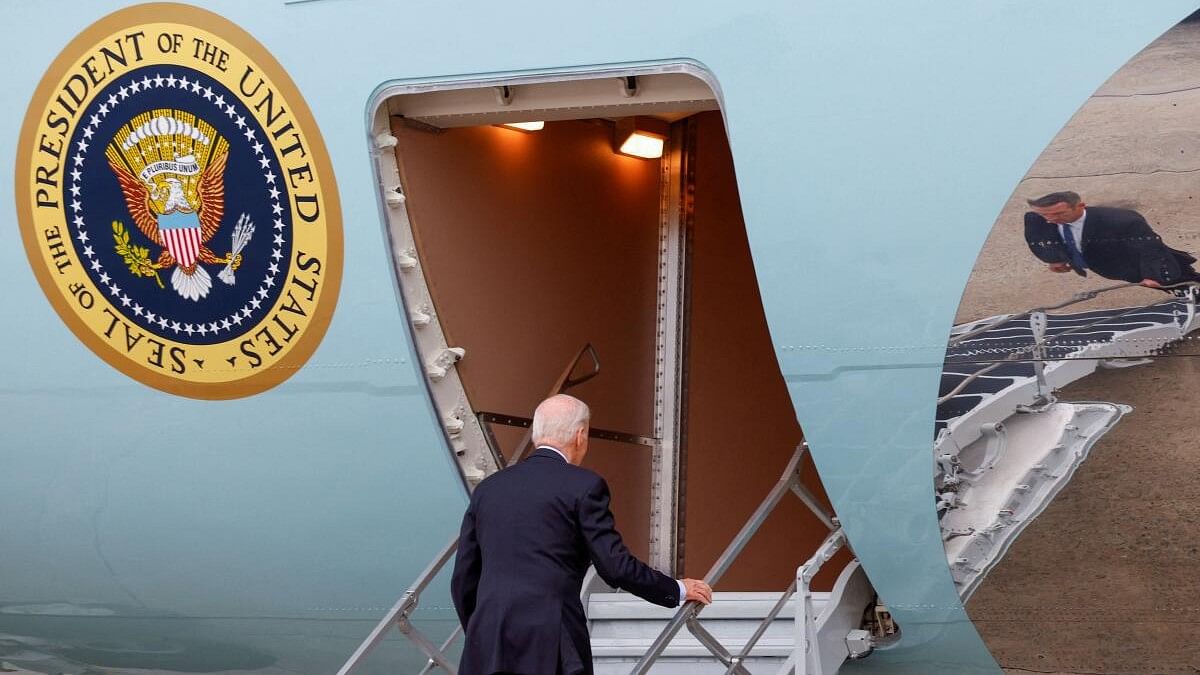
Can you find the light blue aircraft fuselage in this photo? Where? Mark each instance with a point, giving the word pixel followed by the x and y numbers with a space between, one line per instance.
pixel 874 143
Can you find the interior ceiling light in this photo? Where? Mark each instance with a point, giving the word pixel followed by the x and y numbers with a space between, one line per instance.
pixel 640 137
pixel 524 126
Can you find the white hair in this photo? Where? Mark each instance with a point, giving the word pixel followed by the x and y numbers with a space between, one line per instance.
pixel 558 419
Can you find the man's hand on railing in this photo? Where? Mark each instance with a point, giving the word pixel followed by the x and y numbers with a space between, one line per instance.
pixel 697 590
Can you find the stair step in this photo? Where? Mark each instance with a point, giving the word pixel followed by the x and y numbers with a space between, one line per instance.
pixel 727 605
pixel 688 647
pixel 625 626
pixel 685 666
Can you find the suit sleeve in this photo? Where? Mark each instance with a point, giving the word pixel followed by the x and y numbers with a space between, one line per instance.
pixel 1155 260
pixel 1043 240
pixel 464 583
pixel 613 561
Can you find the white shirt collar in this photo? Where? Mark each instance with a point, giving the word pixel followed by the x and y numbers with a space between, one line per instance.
pixel 551 447
pixel 1074 230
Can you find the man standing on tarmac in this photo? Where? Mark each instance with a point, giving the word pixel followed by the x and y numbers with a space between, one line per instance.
pixel 1114 243
pixel 527 539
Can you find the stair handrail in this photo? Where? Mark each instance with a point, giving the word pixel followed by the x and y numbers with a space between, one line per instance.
pixel 1074 299
pixel 1042 341
pixel 398 615
pixel 688 612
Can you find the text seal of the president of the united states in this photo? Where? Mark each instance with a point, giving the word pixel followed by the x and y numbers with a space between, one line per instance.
pixel 177 204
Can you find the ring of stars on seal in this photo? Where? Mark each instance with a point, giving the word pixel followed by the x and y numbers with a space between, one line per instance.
pixel 233 110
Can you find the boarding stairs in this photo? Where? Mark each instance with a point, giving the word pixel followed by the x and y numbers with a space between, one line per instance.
pixel 796 631
pixel 1005 445
pixel 624 630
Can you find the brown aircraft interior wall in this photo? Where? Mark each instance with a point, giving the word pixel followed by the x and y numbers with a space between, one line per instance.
pixel 742 428
pixel 532 245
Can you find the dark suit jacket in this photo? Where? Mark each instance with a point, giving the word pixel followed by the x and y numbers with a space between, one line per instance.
pixel 527 539
pixel 1117 244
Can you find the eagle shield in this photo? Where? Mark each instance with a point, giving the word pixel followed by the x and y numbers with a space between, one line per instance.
pixel 180 232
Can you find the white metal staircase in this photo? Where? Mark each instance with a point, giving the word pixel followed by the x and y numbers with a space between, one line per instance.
pixel 1005 444
pixel 797 631
pixel 624 628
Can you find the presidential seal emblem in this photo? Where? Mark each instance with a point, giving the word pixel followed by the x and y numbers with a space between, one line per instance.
pixel 177 204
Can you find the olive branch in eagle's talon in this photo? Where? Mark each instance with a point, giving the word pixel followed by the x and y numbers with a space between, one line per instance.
pixel 137 258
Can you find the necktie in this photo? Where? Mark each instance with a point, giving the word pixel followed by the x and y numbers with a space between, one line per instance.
pixel 1072 250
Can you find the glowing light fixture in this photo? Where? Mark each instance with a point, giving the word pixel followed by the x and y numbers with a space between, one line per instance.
pixel 640 137
pixel 524 126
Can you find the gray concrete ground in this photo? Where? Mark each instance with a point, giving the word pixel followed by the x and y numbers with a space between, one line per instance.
pixel 1106 579
pixel 1135 144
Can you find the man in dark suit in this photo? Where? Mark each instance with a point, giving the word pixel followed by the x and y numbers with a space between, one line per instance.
pixel 1115 243
pixel 527 539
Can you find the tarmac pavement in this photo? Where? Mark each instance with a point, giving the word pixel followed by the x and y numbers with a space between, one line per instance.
pixel 1106 579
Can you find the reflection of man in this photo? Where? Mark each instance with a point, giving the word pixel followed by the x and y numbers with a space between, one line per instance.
pixel 527 539
pixel 1114 243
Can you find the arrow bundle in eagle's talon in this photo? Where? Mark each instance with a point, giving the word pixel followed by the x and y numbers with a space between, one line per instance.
pixel 242 231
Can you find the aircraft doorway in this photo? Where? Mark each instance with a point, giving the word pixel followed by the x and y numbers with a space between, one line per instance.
pixel 515 249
